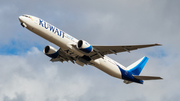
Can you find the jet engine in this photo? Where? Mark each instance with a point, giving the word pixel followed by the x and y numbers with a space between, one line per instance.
pixel 84 46
pixel 51 51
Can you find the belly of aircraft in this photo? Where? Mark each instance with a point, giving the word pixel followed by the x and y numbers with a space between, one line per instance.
pixel 107 67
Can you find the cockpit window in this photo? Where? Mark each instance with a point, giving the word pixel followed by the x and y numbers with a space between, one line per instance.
pixel 28 17
pixel 25 16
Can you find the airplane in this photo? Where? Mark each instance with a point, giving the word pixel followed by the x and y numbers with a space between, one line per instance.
pixel 83 53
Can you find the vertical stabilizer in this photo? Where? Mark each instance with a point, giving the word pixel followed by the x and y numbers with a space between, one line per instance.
pixel 137 66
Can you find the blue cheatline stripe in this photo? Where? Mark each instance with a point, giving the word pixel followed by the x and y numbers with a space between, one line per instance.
pixel 137 69
pixel 88 49
pixel 127 75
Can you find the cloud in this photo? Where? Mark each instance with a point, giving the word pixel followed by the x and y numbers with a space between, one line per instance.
pixel 17 98
pixel 32 78
pixel 29 77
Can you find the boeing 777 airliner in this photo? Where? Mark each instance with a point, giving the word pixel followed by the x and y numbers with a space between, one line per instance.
pixel 83 53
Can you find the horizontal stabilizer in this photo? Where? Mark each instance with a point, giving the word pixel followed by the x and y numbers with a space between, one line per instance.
pixel 147 77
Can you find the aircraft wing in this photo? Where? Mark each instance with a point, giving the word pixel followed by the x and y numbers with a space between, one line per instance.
pixel 100 51
pixel 63 57
pixel 116 49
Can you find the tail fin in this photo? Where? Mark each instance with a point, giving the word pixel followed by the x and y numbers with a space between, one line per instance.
pixel 137 66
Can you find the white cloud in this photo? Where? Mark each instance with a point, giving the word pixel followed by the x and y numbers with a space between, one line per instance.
pixel 39 80
pixel 33 77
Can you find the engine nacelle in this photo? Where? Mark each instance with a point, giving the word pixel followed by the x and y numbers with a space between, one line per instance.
pixel 51 51
pixel 84 46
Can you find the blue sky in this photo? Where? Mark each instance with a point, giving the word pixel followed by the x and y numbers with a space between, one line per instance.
pixel 28 75
pixel 18 47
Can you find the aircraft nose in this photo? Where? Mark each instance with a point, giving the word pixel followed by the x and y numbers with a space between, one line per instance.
pixel 21 18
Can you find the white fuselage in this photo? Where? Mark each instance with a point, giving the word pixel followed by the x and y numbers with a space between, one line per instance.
pixel 65 42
